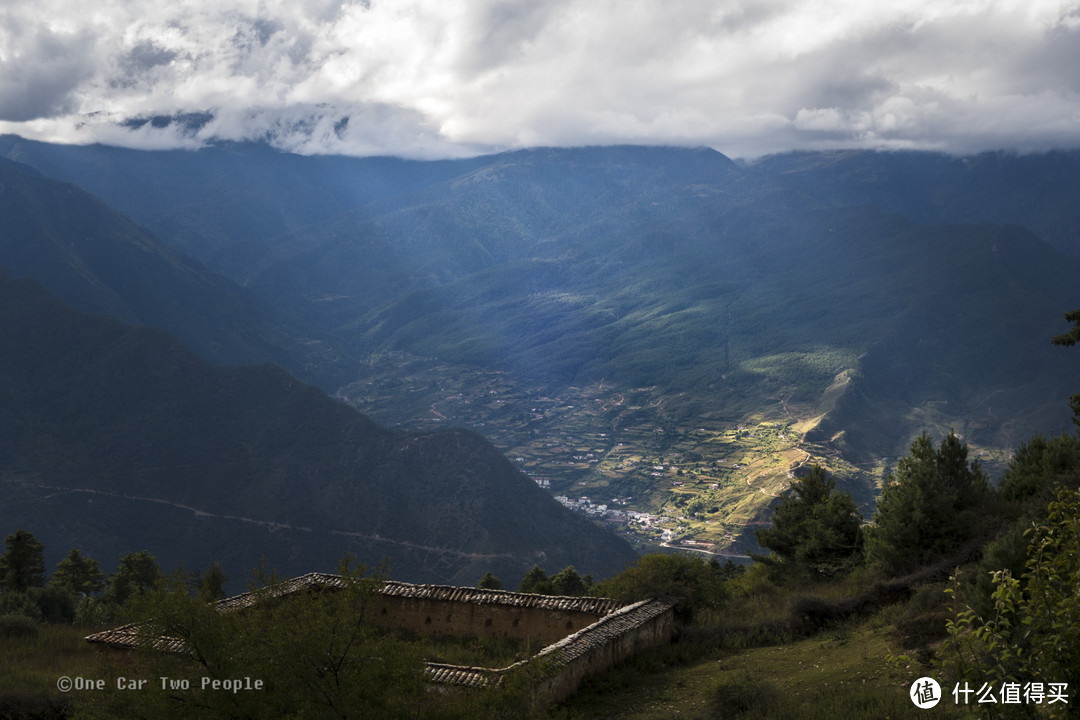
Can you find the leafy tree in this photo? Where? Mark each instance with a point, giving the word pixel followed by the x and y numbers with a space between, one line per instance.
pixel 489 582
pixel 78 574
pixel 136 574
pixel 1069 339
pixel 815 527
pixel 929 507
pixel 535 581
pixel 210 585
pixel 567 582
pixel 1033 632
pixel 698 583
pixel 22 566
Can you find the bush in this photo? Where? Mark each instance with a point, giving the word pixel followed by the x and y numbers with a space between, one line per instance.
pixel 17 626
pixel 741 695
pixel 696 582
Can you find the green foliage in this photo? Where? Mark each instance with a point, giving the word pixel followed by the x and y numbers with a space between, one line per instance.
pixel 489 582
pixel 567 582
pixel 210 585
pixel 137 574
pixel 78 574
pixel 698 583
pixel 22 565
pixel 1033 633
pixel 1069 339
pixel 1037 466
pixel 742 695
pixel 930 507
pixel 535 581
pixel 314 653
pixel 57 604
pixel 815 528
pixel 17 626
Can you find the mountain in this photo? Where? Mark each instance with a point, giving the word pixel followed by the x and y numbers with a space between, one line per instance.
pixel 100 262
pixel 1036 190
pixel 219 203
pixel 116 438
pixel 678 269
pixel 613 317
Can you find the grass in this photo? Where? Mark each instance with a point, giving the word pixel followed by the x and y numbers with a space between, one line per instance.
pixel 743 663
pixel 31 665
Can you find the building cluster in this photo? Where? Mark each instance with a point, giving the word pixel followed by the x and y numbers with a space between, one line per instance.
pixel 585 505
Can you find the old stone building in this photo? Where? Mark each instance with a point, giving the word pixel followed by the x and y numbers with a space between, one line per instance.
pixel 582 636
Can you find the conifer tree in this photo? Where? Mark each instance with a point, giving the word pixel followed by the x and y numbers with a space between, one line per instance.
pixel 22 566
pixel 78 574
pixel 929 506
pixel 489 582
pixel 1069 339
pixel 815 527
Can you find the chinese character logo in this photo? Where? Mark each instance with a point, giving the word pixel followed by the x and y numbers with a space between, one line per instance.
pixel 925 693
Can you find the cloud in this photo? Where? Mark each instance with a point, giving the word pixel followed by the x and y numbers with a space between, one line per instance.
pixel 40 70
pixel 431 78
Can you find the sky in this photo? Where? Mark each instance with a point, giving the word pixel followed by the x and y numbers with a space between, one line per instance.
pixel 452 78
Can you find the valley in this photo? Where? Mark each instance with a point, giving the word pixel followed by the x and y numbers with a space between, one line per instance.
pixel 660 338
pixel 655 467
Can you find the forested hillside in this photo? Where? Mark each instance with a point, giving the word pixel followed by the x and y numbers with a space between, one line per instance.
pixel 656 329
pixel 115 439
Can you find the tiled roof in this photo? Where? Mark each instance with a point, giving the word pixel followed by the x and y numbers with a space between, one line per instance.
pixel 592 605
pixel 127 636
pixel 392 588
pixel 460 675
pixel 612 622
pixel 606 628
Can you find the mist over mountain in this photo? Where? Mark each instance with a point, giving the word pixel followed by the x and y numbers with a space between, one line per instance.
pixel 114 439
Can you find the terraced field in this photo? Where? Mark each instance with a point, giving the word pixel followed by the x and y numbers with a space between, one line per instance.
pixel 649 465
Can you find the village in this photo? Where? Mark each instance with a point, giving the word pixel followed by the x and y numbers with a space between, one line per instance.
pixel 653 468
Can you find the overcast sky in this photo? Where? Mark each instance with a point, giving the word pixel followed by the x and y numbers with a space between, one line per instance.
pixel 433 78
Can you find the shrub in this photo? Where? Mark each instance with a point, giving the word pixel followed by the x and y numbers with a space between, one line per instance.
pixel 17 626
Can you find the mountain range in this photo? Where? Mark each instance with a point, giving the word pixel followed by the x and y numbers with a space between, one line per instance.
pixel 116 438
pixel 863 297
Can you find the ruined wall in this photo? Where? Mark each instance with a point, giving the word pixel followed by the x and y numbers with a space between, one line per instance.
pixel 436 617
pixel 608 642
pixel 585 636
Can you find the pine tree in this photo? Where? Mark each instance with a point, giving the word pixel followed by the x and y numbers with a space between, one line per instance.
pixel 815 527
pixel 78 574
pixel 136 574
pixel 22 566
pixel 929 506
pixel 1069 339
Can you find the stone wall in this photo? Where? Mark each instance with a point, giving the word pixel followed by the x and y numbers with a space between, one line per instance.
pixel 611 640
pixel 439 610
pixel 585 636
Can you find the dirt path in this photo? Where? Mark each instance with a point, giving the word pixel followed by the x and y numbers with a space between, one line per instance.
pixel 271 525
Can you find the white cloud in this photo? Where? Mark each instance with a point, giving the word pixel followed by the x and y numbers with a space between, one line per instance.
pixel 435 77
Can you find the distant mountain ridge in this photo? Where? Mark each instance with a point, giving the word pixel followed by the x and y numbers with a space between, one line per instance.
pixel 115 439
pixel 100 262
pixel 861 297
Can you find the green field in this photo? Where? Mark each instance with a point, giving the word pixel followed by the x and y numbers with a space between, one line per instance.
pixel 705 480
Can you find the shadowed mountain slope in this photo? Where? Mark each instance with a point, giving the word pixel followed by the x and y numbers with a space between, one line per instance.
pixel 100 262
pixel 862 297
pixel 114 439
